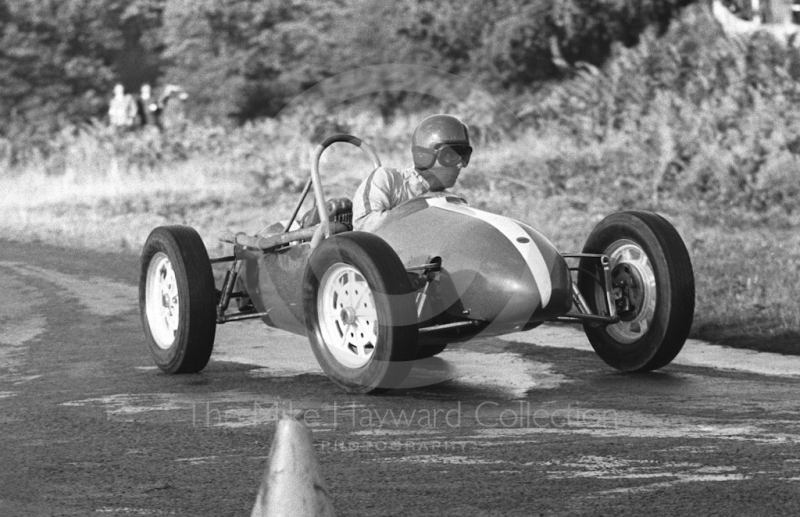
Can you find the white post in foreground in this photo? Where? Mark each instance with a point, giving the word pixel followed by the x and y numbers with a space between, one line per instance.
pixel 292 484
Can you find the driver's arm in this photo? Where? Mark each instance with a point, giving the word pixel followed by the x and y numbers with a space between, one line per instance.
pixel 373 200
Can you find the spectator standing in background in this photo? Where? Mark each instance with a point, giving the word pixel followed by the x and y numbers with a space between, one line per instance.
pixel 172 114
pixel 122 109
pixel 149 110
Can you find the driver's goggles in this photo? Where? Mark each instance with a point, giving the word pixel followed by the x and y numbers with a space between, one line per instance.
pixel 449 155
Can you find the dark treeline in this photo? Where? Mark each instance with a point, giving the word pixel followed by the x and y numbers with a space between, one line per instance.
pixel 245 59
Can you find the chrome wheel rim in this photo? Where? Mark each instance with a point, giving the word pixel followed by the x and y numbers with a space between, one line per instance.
pixel 629 262
pixel 348 318
pixel 162 301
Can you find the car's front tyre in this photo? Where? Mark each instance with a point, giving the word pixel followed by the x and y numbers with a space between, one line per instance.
pixel 651 269
pixel 360 312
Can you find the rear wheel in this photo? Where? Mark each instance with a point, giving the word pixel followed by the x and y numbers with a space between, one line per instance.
pixel 360 312
pixel 653 286
pixel 177 299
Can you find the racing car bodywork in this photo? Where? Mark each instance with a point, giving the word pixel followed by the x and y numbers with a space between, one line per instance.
pixel 498 274
pixel 436 272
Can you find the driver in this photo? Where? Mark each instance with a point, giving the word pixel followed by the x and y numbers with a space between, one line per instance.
pixel 440 149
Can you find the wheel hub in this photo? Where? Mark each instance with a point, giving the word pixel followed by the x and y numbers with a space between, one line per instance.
pixel 634 284
pixel 347 315
pixel 162 304
pixel 627 281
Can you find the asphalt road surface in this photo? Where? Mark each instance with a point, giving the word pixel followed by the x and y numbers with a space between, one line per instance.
pixel 533 424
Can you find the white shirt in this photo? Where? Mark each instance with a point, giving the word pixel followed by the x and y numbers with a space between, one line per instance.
pixel 383 190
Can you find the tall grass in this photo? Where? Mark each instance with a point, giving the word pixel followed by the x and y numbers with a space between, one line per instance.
pixel 703 129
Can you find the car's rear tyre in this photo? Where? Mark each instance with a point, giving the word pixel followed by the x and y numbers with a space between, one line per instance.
pixel 177 299
pixel 649 257
pixel 360 312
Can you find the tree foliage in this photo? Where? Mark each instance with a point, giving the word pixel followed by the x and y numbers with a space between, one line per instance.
pixel 244 59
pixel 57 58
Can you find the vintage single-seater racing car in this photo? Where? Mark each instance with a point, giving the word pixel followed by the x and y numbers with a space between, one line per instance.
pixel 435 273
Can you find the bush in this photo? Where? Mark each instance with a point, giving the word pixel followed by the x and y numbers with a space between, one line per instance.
pixel 690 114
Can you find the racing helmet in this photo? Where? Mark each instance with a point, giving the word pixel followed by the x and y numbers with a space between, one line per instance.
pixel 440 137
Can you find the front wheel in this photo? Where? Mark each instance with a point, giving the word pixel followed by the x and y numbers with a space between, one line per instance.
pixel 177 299
pixel 653 289
pixel 360 312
